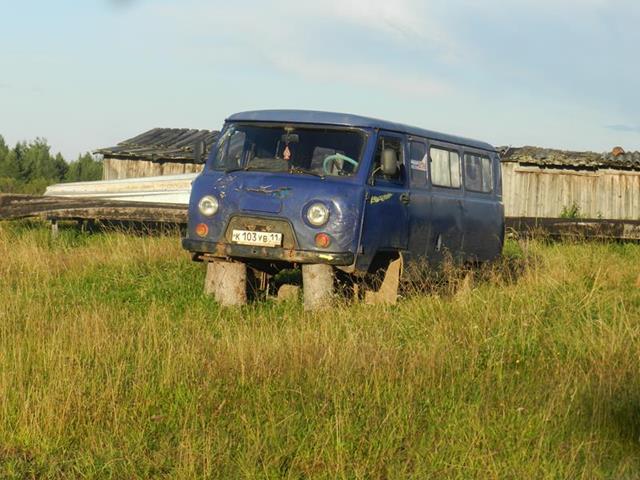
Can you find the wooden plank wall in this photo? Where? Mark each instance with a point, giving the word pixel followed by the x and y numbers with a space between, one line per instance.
pixel 115 169
pixel 527 191
pixel 543 193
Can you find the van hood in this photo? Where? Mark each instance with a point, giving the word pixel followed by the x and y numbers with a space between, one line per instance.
pixel 284 196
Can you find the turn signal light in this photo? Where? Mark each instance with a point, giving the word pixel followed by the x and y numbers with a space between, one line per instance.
pixel 323 240
pixel 202 230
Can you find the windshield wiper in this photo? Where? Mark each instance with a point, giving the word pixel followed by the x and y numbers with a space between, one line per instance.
pixel 292 169
pixel 236 169
pixel 254 165
pixel 304 171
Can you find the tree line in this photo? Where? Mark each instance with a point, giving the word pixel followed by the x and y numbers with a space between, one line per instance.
pixel 30 167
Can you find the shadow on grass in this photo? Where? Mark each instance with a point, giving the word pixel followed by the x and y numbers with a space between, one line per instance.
pixel 614 411
pixel 445 279
pixel 450 277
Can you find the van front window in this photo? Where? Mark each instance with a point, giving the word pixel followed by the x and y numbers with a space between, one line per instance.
pixel 296 150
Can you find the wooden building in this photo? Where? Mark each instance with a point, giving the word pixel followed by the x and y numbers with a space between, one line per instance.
pixel 537 182
pixel 544 183
pixel 158 152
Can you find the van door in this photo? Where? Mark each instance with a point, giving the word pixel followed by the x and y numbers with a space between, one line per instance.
pixel 420 206
pixel 483 213
pixel 447 220
pixel 385 227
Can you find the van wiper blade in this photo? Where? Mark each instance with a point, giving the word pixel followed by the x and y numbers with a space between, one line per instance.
pixel 236 169
pixel 304 171
pixel 264 168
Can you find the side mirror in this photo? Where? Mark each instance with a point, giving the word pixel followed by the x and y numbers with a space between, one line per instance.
pixel 389 165
pixel 198 151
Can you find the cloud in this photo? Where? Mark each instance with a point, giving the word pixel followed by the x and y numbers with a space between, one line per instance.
pixel 575 6
pixel 624 128
pixel 425 47
pixel 398 21
pixel 407 20
pixel 398 16
pixel 122 3
pixel 360 75
pixel 289 37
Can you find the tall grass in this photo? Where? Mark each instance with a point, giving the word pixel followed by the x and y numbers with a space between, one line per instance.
pixel 114 365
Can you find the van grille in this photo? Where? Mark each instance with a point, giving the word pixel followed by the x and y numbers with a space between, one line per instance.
pixel 262 224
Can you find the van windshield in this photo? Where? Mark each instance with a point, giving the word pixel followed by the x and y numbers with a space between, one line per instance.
pixel 296 150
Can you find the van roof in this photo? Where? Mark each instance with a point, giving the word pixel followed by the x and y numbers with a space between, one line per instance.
pixel 348 120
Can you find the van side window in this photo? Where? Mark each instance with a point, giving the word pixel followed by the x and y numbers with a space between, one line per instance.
pixel 418 159
pixel 396 145
pixel 445 168
pixel 478 175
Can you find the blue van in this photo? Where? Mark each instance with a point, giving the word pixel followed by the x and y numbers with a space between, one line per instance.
pixel 338 193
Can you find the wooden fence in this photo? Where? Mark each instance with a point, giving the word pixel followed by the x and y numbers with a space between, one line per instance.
pixel 534 192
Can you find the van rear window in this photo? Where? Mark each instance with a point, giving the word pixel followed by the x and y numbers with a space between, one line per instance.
pixel 445 168
pixel 478 175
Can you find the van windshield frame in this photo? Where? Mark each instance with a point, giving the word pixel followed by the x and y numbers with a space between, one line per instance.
pixel 319 150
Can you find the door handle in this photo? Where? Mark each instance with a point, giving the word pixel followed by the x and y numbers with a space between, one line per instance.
pixel 405 198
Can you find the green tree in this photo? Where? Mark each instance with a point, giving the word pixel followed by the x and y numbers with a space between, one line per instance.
pixel 60 167
pixel 85 169
pixel 35 161
pixel 8 163
pixel 4 150
pixel 30 167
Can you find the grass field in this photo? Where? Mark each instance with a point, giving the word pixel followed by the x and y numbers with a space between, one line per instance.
pixel 114 365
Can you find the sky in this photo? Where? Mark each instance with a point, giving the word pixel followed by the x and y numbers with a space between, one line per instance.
pixel 553 73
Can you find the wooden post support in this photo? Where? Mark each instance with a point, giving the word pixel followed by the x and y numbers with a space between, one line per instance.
pixel 317 281
pixel 54 229
pixel 227 282
pixel 388 293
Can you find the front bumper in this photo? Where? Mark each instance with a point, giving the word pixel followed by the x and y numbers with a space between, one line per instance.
pixel 225 250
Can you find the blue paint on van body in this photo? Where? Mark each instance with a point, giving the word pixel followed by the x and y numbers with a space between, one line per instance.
pixel 368 217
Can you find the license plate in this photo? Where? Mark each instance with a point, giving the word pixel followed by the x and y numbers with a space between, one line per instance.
pixel 260 239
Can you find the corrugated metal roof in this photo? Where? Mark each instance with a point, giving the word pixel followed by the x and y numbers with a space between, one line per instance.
pixel 550 158
pixel 163 145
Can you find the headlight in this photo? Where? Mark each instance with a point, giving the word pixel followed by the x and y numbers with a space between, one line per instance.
pixel 208 206
pixel 317 214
